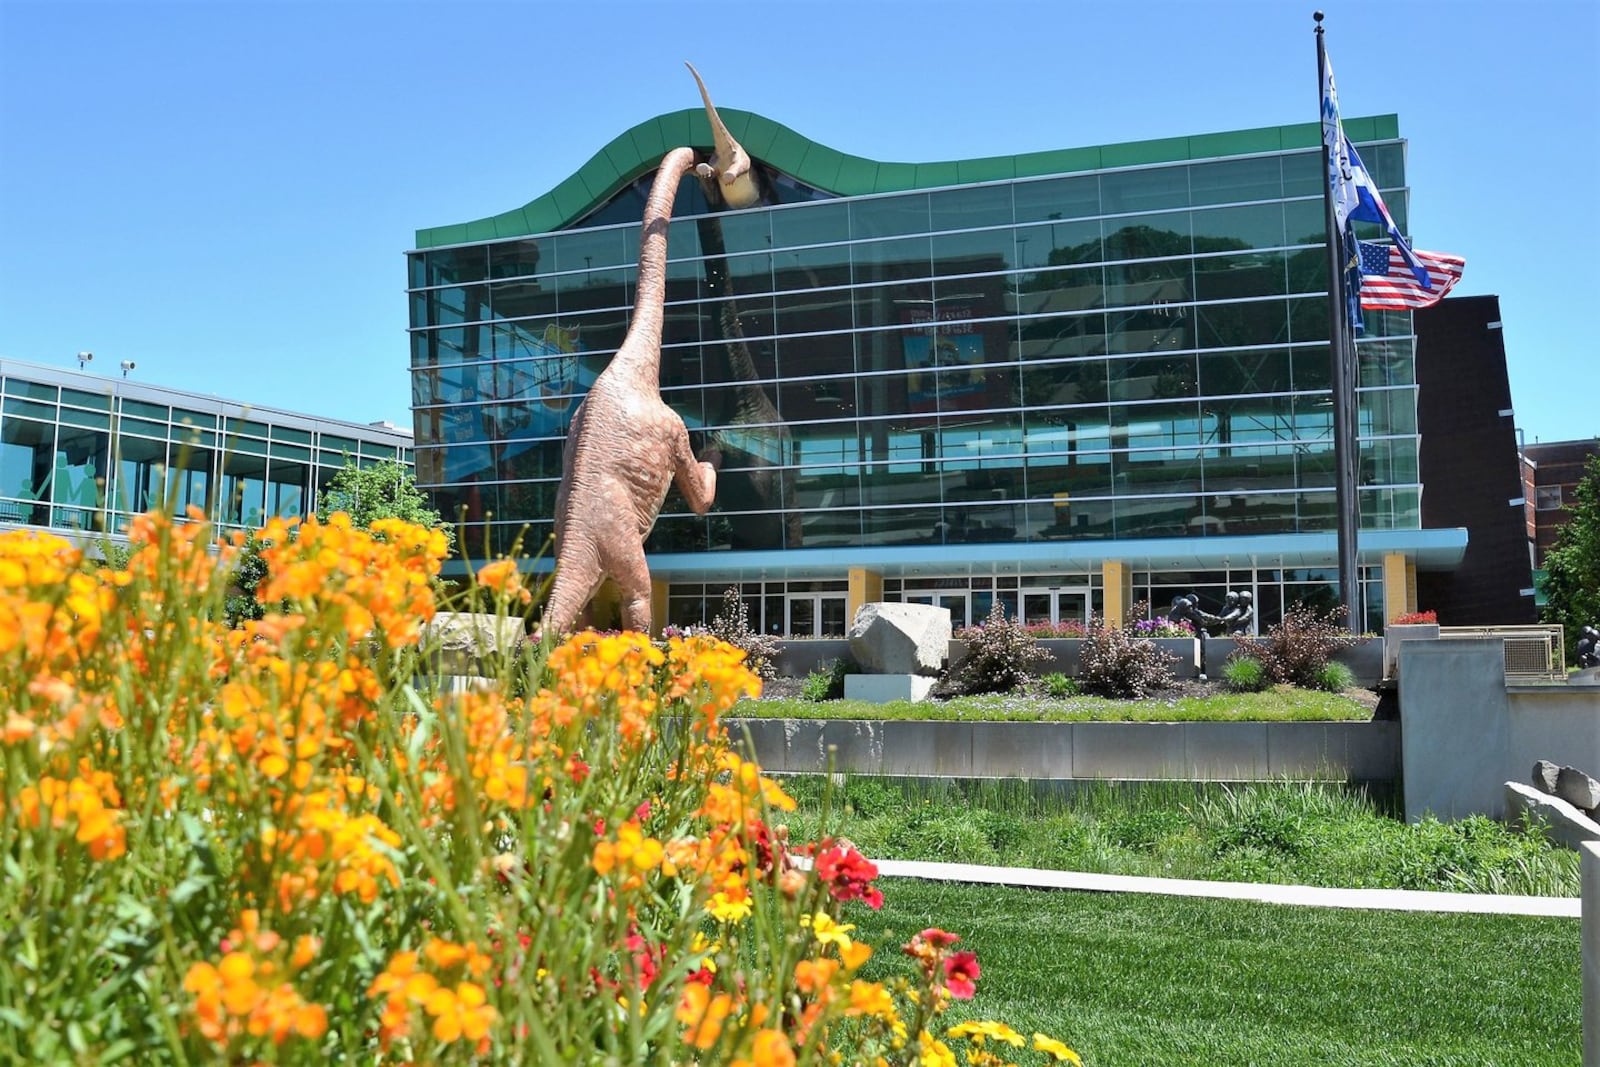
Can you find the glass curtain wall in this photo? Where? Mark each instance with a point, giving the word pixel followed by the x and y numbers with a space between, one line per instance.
pixel 1131 353
pixel 77 460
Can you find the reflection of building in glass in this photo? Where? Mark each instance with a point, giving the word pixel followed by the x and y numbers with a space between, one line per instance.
pixel 84 453
pixel 1069 380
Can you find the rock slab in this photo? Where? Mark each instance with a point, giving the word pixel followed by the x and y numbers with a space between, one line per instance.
pixel 1545 774
pixel 462 640
pixel 1578 789
pixel 900 638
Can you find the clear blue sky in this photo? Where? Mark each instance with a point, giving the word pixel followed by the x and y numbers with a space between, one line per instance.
pixel 223 191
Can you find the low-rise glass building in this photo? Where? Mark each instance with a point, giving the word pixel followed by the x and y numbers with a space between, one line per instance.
pixel 1068 381
pixel 81 453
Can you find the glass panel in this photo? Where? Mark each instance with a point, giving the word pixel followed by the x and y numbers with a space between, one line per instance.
pixel 193 469
pixel 78 479
pixel 286 489
pixel 1059 244
pixel 1056 198
pixel 802 617
pixel 978 252
pixel 244 490
pixel 26 466
pixel 1226 229
pixel 832 621
pixel 1236 180
pixel 967 209
pixel 890 215
pixel 141 475
pixel 812 224
pixel 1144 190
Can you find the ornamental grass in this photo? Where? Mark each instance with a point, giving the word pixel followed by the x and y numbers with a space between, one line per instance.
pixel 285 843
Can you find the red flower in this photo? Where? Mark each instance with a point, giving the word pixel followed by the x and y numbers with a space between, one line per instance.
pixel 848 875
pixel 577 770
pixel 961 974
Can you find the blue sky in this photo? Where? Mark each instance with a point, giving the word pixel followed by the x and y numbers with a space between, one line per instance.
pixel 223 191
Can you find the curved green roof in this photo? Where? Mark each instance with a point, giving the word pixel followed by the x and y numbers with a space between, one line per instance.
pixel 639 150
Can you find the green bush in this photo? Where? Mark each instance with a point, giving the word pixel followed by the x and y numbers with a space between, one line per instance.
pixel 1297 649
pixel 827 681
pixel 1059 686
pixel 1335 678
pixel 1114 662
pixel 1244 674
pixel 1001 655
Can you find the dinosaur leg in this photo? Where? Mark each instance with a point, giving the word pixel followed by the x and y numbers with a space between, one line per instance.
pixel 577 577
pixel 697 481
pixel 633 582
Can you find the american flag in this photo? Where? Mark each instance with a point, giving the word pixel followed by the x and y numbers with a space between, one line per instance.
pixel 1387 283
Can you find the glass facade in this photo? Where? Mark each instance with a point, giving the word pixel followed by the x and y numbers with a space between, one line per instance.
pixel 1109 355
pixel 84 453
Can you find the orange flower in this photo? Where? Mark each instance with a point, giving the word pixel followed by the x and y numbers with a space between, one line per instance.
pixel 503 577
pixel 702 1014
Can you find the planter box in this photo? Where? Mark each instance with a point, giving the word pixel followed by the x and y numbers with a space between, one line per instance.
pixel 1395 633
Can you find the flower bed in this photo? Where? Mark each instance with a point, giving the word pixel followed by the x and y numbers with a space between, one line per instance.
pixel 275 843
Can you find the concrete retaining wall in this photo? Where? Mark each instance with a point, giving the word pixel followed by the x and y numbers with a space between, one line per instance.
pixel 1467 733
pixel 1210 751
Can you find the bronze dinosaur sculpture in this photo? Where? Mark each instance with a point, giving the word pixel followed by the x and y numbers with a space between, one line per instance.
pixel 625 446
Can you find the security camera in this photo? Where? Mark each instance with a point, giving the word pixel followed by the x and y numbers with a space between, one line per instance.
pixel 84 357
pixel 128 364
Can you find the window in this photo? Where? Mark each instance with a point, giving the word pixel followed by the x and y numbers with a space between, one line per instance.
pixel 1547 497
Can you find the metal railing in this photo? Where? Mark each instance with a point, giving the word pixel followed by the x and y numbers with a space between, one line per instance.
pixel 1534 654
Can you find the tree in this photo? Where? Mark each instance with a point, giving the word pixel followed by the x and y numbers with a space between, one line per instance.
pixel 1572 569
pixel 384 491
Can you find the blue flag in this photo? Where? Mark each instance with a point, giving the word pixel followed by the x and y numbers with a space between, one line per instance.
pixel 1355 194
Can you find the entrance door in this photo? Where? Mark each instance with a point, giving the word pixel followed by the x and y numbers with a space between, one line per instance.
pixel 1055 606
pixel 816 615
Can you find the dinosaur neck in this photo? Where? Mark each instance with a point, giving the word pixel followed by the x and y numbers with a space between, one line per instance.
pixel 640 354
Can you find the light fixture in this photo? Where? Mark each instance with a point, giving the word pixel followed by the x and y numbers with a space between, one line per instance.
pixel 84 357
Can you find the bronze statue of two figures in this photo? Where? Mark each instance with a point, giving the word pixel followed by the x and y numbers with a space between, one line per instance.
pixel 626 446
pixel 1238 614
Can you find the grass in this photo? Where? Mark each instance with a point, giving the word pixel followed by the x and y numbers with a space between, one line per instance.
pixel 1280 704
pixel 1176 981
pixel 1290 833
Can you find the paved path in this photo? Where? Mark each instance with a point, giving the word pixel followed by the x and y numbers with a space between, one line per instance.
pixel 1304 895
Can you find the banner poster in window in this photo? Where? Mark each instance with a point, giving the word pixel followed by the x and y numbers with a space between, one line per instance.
pixel 945 358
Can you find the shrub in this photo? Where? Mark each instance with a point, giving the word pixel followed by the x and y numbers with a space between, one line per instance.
pixel 1115 662
pixel 1001 655
pixel 1244 674
pixel 279 844
pixel 1059 686
pixel 1297 649
pixel 827 681
pixel 732 625
pixel 1335 677
pixel 1413 617
pixel 1162 628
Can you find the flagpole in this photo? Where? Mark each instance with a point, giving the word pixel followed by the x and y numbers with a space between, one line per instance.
pixel 1341 353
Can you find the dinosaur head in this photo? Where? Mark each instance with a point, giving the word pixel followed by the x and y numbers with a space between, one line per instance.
pixel 730 164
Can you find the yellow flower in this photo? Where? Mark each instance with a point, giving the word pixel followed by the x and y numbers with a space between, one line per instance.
pixel 976 1032
pixel 1059 1052
pixel 931 1052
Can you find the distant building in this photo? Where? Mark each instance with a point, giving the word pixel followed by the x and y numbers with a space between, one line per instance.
pixel 81 453
pixel 1551 472
pixel 1068 381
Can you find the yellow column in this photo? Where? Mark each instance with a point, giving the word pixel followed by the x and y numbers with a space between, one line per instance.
pixel 1399 585
pixel 866 587
pixel 658 605
pixel 1118 579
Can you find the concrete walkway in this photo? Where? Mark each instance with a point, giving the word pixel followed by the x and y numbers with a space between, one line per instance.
pixel 1302 895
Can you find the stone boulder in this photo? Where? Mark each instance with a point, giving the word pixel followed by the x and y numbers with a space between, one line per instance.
pixel 900 638
pixel 459 642
pixel 1545 774
pixel 1578 789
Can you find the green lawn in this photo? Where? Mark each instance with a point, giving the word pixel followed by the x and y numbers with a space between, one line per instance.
pixel 1286 833
pixel 1282 704
pixel 1167 982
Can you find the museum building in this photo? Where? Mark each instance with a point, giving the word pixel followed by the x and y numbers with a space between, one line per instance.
pixel 1073 381
pixel 81 453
